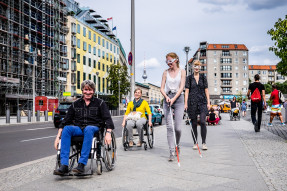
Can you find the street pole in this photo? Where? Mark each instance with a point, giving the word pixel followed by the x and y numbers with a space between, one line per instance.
pixel 97 73
pixel 132 48
pixel 186 49
pixel 33 84
pixel 119 96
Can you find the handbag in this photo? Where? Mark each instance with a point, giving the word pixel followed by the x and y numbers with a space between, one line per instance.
pixel 134 115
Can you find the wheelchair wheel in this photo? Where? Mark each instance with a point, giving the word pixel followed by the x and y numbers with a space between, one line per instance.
pixel 74 156
pixel 99 167
pixel 125 138
pixel 150 137
pixel 109 154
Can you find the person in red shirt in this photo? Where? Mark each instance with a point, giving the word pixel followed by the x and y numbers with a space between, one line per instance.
pixel 276 106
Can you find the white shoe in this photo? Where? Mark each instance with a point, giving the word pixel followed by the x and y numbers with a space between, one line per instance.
pixel 204 147
pixel 194 147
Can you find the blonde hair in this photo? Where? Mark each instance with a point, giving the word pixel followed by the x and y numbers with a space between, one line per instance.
pixel 197 62
pixel 174 56
pixel 139 90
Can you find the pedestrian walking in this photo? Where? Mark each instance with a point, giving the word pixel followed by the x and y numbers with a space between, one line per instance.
pixel 276 106
pixel 257 91
pixel 243 108
pixel 172 84
pixel 197 101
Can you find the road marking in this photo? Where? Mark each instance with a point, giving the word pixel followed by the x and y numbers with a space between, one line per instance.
pixel 37 139
pixel 40 128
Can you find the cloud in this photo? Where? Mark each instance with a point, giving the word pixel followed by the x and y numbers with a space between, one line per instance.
pixel 149 64
pixel 257 49
pixel 213 9
pixel 265 4
pixel 264 62
pixel 219 2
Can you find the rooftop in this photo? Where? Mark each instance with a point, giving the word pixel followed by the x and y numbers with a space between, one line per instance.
pixel 227 47
pixel 262 67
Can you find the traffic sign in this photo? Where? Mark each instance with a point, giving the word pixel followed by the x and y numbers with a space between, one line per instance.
pixel 130 58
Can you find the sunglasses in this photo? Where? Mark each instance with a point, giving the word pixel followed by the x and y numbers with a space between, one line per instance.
pixel 196 67
pixel 170 61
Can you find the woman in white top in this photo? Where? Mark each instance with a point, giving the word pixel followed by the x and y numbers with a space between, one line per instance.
pixel 172 84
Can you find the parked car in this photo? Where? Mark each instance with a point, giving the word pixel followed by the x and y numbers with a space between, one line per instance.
pixel 156 115
pixel 159 109
pixel 61 112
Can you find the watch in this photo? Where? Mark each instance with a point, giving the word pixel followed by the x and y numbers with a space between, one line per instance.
pixel 109 132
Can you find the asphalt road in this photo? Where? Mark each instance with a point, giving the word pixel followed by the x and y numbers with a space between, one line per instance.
pixel 28 142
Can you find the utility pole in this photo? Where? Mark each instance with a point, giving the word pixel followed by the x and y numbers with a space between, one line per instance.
pixel 33 84
pixel 119 96
pixel 186 49
pixel 132 48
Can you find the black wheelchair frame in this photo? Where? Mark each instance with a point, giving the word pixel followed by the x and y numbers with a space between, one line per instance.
pixel 99 152
pixel 146 131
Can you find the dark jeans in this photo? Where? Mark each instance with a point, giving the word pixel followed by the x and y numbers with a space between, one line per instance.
pixel 202 127
pixel 256 107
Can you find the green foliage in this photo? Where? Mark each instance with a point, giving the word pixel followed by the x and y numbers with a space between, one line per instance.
pixel 279 35
pixel 268 88
pixel 240 98
pixel 118 76
pixel 282 87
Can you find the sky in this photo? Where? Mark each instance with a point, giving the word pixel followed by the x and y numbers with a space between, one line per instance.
pixel 163 26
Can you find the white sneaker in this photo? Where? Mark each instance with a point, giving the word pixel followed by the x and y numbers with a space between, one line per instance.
pixel 204 147
pixel 194 147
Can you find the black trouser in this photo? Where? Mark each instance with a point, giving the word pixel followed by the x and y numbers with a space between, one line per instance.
pixel 256 106
pixel 202 127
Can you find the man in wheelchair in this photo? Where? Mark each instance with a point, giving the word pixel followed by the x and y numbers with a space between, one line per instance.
pixel 82 119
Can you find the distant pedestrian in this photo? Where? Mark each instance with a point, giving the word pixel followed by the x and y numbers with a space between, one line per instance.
pixel 285 106
pixel 257 91
pixel 233 103
pixel 172 84
pixel 197 101
pixel 243 108
pixel 276 106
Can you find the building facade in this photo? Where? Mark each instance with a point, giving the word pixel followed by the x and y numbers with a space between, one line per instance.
pixel 155 96
pixel 268 74
pixel 32 36
pixel 226 68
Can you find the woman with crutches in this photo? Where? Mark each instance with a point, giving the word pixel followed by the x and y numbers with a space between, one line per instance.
pixel 172 84
pixel 197 102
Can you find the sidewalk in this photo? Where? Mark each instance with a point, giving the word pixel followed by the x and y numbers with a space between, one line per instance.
pixel 237 159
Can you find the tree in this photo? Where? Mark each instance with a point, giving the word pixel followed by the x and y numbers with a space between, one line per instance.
pixel 118 75
pixel 240 98
pixel 279 35
pixel 268 88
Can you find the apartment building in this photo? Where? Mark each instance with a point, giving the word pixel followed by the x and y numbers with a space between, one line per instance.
pixel 226 68
pixel 32 36
pixel 155 96
pixel 93 48
pixel 268 74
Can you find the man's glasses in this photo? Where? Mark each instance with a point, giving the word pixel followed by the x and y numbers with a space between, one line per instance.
pixel 170 61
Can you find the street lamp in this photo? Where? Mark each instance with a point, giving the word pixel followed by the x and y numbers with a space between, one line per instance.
pixel 186 49
pixel 33 84
pixel 97 73
pixel 119 96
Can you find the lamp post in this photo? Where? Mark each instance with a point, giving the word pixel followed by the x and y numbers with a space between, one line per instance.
pixel 33 84
pixel 119 96
pixel 97 73
pixel 132 47
pixel 186 49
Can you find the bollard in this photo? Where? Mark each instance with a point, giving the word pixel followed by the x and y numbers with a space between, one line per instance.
pixel 29 115
pixel 18 116
pixel 38 115
pixel 46 115
pixel 53 114
pixel 8 116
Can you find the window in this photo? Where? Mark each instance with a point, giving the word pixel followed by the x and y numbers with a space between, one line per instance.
pixel 244 67
pixel 245 75
pixel 90 49
pixel 94 38
pixel 117 51
pixel 84 60
pixel 226 53
pixel 226 90
pixel 114 49
pixel 84 46
pixel 104 88
pixel 236 67
pixel 78 43
pixel 214 53
pixel 90 35
pixel 95 80
pixel 99 40
pixel 226 82
pixel 236 82
pixel 78 29
pixel 84 31
pixel 99 84
pixel 103 67
pixel 111 47
pixel 224 46
pixel 215 89
pixel 214 74
pixel 95 64
pixel 90 76
pixel 107 56
pixel 244 53
pixel 78 79
pixel 244 82
pixel 73 53
pixel 236 89
pixel 107 68
pixel 252 72
pixel 215 61
pixel 84 76
pixel 99 66
pixel 225 60
pixel 78 58
pixel 103 54
pixel 260 72
pixel 103 42
pixel 236 53
pixel 107 45
pixel 225 68
pixel 90 62
pixel 111 58
pixel 99 53
pixel 215 82
pixel 226 75
pixel 236 60
pixel 236 75
pixel 94 50
pixel 244 61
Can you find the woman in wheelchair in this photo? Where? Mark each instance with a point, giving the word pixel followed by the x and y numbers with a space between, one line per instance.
pixel 86 114
pixel 135 116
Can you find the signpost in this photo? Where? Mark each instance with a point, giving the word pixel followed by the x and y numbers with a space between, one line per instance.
pixel 130 58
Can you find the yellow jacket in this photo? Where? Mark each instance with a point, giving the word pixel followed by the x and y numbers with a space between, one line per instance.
pixel 142 108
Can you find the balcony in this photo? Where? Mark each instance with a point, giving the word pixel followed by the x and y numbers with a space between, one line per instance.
pixel 225 55
pixel 226 92
pixel 226 85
